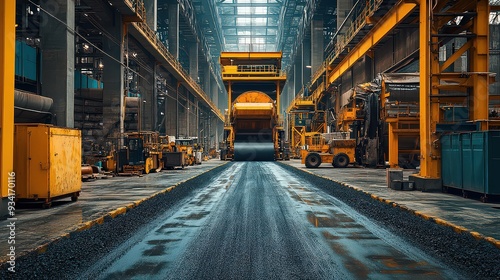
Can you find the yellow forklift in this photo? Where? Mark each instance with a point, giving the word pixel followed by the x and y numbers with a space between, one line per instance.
pixel 331 148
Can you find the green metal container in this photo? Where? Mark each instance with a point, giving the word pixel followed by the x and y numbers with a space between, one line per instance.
pixel 473 165
pixel 492 148
pixel 451 161
pixel 471 161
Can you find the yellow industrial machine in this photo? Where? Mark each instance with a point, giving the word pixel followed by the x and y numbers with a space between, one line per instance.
pixel 103 156
pixel 47 163
pixel 190 147
pixel 319 149
pixel 350 111
pixel 172 156
pixel 212 153
pixel 399 108
pixel 141 154
pixel 253 128
pixel 305 121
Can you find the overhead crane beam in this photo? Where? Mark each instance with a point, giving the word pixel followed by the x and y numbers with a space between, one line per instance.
pixel 7 49
pixel 384 26
pixel 379 31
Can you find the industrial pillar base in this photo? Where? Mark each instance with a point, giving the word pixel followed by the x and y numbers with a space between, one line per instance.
pixel 426 184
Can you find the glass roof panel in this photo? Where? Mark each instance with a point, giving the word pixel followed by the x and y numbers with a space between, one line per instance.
pixel 255 21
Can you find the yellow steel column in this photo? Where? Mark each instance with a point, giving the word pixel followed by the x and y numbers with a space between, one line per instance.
pixel 229 99
pixel 429 109
pixel 393 145
pixel 7 62
pixel 278 97
pixel 479 64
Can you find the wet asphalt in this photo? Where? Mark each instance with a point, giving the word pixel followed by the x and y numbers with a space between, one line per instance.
pixel 262 220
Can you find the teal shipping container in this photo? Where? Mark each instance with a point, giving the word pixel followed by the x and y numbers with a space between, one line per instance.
pixel 452 156
pixel 25 61
pixel 84 81
pixel 471 161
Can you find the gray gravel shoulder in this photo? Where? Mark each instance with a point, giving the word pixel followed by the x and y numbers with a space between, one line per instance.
pixel 476 259
pixel 70 257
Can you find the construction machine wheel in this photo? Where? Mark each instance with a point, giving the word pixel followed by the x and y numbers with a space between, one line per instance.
pixel 313 160
pixel 341 160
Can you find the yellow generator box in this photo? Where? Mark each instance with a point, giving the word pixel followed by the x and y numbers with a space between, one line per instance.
pixel 47 162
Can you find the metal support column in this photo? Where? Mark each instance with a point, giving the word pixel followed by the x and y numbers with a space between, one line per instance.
pixel 317 44
pixel 480 65
pixel 173 30
pixel 113 79
pixel 58 59
pixel 206 79
pixel 214 92
pixel 306 62
pixel 393 145
pixel 297 73
pixel 147 91
pixel 193 61
pixel 7 62
pixel 430 162
pixel 151 13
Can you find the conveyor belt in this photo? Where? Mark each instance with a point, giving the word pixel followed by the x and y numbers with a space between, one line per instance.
pixel 253 151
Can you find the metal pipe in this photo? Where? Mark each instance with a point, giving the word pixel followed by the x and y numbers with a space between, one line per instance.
pixel 26 100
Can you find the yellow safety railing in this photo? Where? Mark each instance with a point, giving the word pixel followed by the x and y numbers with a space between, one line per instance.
pixel 319 71
pixel 354 28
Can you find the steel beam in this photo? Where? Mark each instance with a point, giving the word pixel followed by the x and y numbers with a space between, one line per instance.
pixel 385 25
pixel 456 55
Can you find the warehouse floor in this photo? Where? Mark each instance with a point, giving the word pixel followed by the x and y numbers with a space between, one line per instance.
pixel 36 226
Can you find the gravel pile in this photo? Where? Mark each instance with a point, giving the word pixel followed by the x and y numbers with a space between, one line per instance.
pixel 478 259
pixel 69 257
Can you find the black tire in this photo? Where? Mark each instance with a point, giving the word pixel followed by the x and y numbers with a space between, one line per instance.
pixel 74 198
pixel 341 160
pixel 313 160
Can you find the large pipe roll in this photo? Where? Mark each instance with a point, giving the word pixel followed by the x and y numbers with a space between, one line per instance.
pixel 253 151
pixel 29 107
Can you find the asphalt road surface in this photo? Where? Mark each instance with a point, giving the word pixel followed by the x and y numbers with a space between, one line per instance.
pixel 258 220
